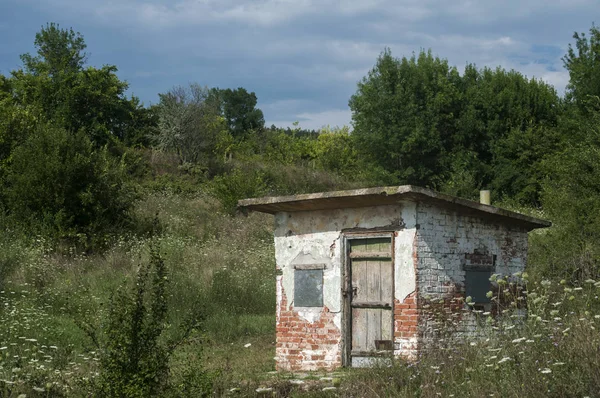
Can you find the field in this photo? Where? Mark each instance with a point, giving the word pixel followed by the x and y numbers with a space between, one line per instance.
pixel 55 306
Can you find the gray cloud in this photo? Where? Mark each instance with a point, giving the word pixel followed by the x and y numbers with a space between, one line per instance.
pixel 304 57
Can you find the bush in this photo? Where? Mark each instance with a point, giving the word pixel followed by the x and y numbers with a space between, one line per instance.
pixel 238 184
pixel 136 352
pixel 59 185
pixel 134 362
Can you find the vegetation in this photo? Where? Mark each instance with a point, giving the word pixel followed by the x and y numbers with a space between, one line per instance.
pixel 126 271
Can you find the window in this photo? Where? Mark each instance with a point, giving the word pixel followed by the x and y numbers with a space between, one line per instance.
pixel 477 284
pixel 308 285
pixel 478 268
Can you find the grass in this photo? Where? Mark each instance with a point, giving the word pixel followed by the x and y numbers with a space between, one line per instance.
pixel 224 263
pixel 51 304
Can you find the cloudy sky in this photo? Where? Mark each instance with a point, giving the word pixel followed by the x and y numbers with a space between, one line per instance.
pixel 302 58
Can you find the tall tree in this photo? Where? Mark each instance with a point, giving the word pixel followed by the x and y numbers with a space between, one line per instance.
pixel 403 116
pixel 238 107
pixel 421 120
pixel 189 124
pixel 61 90
pixel 583 63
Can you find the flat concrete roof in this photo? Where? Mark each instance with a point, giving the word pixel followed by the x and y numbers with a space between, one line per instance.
pixel 386 196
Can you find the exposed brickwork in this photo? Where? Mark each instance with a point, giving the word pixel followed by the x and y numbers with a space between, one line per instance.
pixel 448 243
pixel 406 318
pixel 304 345
pixel 433 253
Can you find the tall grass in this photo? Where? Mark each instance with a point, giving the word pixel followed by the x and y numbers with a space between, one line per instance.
pixel 551 353
pixel 52 302
pixel 59 299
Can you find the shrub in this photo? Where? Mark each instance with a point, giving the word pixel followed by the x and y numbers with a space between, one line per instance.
pixel 136 352
pixel 59 185
pixel 238 184
pixel 135 362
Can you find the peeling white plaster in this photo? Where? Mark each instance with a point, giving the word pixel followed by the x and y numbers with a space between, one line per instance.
pixel 310 314
pixel 314 237
pixel 405 273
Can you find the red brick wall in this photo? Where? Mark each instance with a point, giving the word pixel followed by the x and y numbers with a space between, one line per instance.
pixel 304 345
pixel 406 318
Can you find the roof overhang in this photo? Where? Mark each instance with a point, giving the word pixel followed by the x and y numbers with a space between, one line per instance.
pixel 386 196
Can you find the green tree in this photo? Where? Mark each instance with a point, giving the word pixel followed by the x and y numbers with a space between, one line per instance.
pixel 583 63
pixel 59 184
pixel 420 120
pixel 571 198
pixel 238 107
pixel 403 114
pixel 507 122
pixel 15 121
pixel 335 151
pixel 190 125
pixel 59 89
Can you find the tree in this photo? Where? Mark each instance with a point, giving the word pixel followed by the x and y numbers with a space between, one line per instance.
pixel 189 124
pixel 403 114
pixel 238 107
pixel 571 199
pixel 59 89
pixel 508 123
pixel 583 64
pixel 58 184
pixel 420 120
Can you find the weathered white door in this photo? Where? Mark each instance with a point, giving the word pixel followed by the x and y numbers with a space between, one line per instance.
pixel 369 299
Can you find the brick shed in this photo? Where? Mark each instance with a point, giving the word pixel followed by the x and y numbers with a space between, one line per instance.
pixel 355 269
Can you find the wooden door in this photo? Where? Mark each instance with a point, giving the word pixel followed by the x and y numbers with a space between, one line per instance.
pixel 369 295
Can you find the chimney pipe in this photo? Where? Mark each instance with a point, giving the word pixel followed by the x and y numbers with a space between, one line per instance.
pixel 484 197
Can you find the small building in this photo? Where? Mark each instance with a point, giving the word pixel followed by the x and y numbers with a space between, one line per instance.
pixel 355 269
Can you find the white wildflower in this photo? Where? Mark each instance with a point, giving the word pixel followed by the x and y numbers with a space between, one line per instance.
pixel 247 345
pixel 505 359
pixel 546 371
pixel 519 340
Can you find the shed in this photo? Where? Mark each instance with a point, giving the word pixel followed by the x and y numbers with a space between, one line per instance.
pixel 356 268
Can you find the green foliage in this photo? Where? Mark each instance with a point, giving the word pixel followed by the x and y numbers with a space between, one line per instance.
pixel 421 121
pixel 236 185
pixel 254 179
pixel 238 107
pixel 402 111
pixel 56 88
pixel 582 62
pixel 58 184
pixel 334 150
pixel 571 198
pixel 135 360
pixel 189 125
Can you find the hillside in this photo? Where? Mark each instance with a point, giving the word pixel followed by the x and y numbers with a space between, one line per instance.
pixel 125 269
